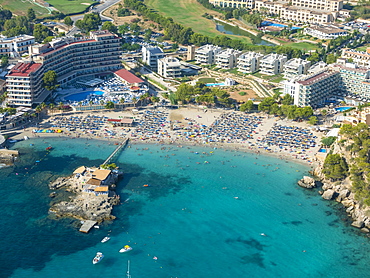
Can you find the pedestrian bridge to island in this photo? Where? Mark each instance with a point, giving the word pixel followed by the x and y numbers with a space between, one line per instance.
pixel 116 151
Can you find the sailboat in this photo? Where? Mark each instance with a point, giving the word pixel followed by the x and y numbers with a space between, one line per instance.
pixel 128 269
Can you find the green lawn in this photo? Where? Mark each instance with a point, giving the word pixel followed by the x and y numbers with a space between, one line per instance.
pixel 189 13
pixel 302 45
pixel 70 6
pixel 19 7
pixel 207 80
pixel 363 48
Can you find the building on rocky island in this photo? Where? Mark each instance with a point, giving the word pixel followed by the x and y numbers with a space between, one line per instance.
pixel 206 54
pixel 295 67
pixel 69 57
pixel 227 58
pixel 249 62
pixel 169 67
pixel 315 89
pixel 151 55
pixel 272 64
pixel 325 32
pixel 15 46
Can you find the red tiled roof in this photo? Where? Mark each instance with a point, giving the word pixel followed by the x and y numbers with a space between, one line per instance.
pixel 128 76
pixel 24 69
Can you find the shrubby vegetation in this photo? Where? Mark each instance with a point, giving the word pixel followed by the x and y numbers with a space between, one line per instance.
pixel 184 35
pixel 90 22
pixel 335 167
pixel 358 144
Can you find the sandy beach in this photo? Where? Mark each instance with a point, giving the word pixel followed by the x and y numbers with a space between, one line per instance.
pixel 185 126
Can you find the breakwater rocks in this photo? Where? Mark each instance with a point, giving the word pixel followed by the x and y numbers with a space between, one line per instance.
pixel 307 182
pixel 94 194
pixel 341 192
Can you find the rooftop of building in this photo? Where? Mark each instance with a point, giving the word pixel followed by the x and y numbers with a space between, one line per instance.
pixel 128 76
pixel 295 62
pixel 272 57
pixel 24 69
pixel 327 29
pixel 153 50
pixel 315 78
pixel 250 54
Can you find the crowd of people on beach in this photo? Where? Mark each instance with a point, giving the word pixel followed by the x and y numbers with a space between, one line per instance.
pixel 153 125
pixel 233 127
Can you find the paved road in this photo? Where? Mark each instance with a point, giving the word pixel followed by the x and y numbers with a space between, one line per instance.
pixel 98 9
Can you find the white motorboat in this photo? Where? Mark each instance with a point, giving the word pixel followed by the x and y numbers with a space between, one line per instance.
pixel 98 257
pixel 105 239
pixel 125 248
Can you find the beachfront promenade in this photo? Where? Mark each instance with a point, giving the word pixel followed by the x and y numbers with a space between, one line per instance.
pixel 255 132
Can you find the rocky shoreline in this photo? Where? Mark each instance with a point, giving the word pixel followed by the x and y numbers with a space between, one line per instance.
pixel 94 195
pixel 341 193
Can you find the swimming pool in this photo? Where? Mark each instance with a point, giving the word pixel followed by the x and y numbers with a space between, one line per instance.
pixel 269 23
pixel 343 108
pixel 215 84
pixel 322 151
pixel 83 95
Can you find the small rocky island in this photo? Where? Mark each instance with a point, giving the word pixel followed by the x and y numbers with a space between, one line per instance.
pixel 94 194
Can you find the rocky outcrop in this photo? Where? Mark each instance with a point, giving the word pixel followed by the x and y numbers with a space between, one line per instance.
pixel 307 182
pixel 97 209
pixel 60 182
pixel 328 194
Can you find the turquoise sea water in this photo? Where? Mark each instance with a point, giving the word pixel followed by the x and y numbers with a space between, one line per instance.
pixel 189 217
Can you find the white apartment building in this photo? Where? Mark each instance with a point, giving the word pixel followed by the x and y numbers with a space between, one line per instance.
pixel 317 67
pixel 206 54
pixel 249 62
pixel 313 11
pixel 151 55
pixel 227 58
pixel 69 57
pixel 361 58
pixel 237 4
pixel 295 67
pixel 325 32
pixel 169 67
pixel 15 46
pixel 272 64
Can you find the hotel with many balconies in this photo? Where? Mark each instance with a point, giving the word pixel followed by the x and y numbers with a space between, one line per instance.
pixel 227 58
pixel 249 62
pixel 295 67
pixel 313 11
pixel 206 54
pixel 69 57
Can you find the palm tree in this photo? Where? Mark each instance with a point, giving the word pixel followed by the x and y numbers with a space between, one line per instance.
pixel 52 107
pixel 142 98
pixel 122 101
pixel 134 101
pixel 38 110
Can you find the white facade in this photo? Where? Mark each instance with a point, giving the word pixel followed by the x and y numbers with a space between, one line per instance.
pixel 249 62
pixel 245 4
pixel 319 11
pixel 169 67
pixel 206 54
pixel 272 64
pixel 15 46
pixel 295 67
pixel 317 67
pixel 325 32
pixel 361 58
pixel 151 55
pixel 227 59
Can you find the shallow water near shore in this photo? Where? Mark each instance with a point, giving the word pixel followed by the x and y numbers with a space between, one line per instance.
pixel 207 213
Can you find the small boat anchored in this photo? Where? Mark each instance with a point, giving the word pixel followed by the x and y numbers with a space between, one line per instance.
pixel 105 239
pixel 98 257
pixel 125 248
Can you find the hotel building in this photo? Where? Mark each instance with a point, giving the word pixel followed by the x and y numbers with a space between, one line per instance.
pixel 69 57
pixel 15 46
pixel 313 11
pixel 313 90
